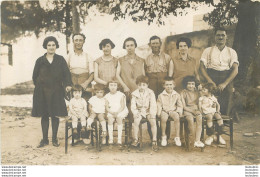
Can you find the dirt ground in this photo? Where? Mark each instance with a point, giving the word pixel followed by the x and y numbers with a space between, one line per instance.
pixel 21 133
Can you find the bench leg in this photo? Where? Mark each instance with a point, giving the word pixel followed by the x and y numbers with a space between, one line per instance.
pixel 92 137
pixel 159 132
pixel 126 133
pixel 202 132
pixel 96 134
pixel 141 135
pixel 231 132
pixel 66 137
pixel 187 137
pixel 72 137
pixel 181 131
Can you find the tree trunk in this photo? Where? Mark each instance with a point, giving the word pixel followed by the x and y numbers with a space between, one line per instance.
pixel 75 17
pixel 68 24
pixel 245 35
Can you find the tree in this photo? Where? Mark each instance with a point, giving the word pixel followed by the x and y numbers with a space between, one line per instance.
pixel 245 12
pixel 31 17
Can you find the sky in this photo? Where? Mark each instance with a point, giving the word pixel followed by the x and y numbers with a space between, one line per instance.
pixel 99 26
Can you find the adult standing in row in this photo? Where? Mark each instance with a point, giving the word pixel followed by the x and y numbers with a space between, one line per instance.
pixel 158 65
pixel 80 65
pixel 184 64
pixel 105 66
pixel 129 68
pixel 219 66
pixel 50 76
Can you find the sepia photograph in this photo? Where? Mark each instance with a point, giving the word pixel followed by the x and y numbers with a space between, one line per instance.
pixel 130 83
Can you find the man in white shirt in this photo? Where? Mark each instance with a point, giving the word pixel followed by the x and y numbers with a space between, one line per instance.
pixel 80 64
pixel 219 66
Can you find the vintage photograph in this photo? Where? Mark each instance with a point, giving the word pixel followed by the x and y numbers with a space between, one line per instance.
pixel 130 82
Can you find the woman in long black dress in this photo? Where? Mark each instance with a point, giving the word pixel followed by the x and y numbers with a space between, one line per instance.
pixel 50 76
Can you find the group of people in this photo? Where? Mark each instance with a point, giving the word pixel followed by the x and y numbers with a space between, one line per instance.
pixel 156 86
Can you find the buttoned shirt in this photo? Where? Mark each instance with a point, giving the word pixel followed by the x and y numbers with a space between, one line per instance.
pixel 157 63
pixel 218 60
pixel 79 106
pixel 170 102
pixel 144 103
pixel 80 63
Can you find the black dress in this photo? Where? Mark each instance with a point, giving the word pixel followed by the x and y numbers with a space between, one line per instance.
pixel 50 80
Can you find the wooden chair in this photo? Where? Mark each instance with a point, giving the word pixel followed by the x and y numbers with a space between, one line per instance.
pixel 126 131
pixel 95 133
pixel 228 122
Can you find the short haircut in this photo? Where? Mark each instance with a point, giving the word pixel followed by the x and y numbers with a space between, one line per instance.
pixel 114 80
pixel 104 42
pixel 142 79
pixel 80 34
pixel 219 29
pixel 99 87
pixel 129 39
pixel 184 39
pixel 48 39
pixel 211 88
pixel 189 79
pixel 168 78
pixel 77 88
pixel 153 38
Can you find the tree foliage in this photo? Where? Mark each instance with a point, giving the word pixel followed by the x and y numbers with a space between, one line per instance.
pixel 225 12
pixel 29 17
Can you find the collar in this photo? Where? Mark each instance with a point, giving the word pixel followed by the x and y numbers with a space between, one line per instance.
pixel 188 57
pixel 173 93
pixel 80 54
pixel 156 54
pixel 136 93
pixel 46 60
pixel 215 46
pixel 126 57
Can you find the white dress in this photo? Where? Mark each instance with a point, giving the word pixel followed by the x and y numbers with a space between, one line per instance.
pixel 114 103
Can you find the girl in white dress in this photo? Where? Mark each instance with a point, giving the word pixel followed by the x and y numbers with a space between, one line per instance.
pixel 116 110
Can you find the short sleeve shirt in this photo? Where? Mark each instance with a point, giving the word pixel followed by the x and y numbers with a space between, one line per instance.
pixel 114 100
pixel 106 69
pixel 79 64
pixel 218 60
pixel 98 104
pixel 157 63
pixel 78 105
pixel 191 98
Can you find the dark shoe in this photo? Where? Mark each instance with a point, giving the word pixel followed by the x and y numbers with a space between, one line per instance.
pixel 43 143
pixel 221 130
pixel 155 146
pixel 55 143
pixel 83 133
pixel 75 133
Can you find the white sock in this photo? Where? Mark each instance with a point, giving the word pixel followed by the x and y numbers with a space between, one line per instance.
pixel 110 132
pixel 119 129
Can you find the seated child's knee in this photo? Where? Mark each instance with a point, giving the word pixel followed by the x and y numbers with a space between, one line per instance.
pixel 164 116
pixel 175 115
pixel 189 118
